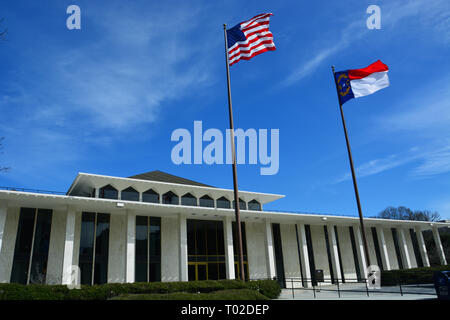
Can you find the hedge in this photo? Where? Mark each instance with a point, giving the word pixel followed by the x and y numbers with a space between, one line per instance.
pixel 233 294
pixel 12 291
pixel 422 275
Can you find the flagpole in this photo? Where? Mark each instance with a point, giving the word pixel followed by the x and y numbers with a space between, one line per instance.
pixel 355 185
pixel 235 182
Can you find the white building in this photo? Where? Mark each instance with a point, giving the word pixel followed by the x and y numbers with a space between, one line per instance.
pixel 158 227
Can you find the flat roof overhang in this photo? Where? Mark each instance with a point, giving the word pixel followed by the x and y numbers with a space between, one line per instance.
pixel 63 202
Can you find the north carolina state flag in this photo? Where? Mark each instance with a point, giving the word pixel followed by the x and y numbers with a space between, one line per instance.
pixel 357 83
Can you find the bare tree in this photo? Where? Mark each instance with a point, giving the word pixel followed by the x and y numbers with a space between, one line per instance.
pixel 404 213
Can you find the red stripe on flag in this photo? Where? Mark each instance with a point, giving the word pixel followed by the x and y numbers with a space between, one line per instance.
pixel 255 54
pixel 241 46
pixel 377 66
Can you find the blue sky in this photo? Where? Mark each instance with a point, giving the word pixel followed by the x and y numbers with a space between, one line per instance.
pixel 105 99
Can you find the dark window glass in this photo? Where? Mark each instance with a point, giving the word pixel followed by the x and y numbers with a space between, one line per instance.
pixel 155 272
pixel 86 247
pixel 141 249
pixel 109 192
pixel 206 201
pixel 101 249
pixel 312 263
pixel 155 237
pixel 242 204
pixel 377 247
pixel 206 255
pixel 41 247
pixel 223 203
pixel 339 254
pixel 416 249
pixel 130 194
pixel 397 248
pixel 22 251
pixel 355 254
pixel 235 242
pixel 150 196
pixel 330 264
pixel 254 205
pixel 170 198
pixel 188 200
pixel 278 254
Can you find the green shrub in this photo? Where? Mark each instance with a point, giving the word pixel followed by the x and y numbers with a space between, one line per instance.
pixel 410 276
pixel 231 294
pixel 269 288
pixel 12 291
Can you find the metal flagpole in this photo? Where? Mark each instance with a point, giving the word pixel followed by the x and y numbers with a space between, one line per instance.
pixel 361 220
pixel 235 182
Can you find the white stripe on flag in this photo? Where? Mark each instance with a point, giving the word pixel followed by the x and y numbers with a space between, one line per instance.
pixel 370 84
pixel 248 54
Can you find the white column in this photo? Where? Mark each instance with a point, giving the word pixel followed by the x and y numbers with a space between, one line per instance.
pixel 439 248
pixel 130 246
pixel 334 253
pixel 183 268
pixel 422 247
pixel 360 251
pixel 270 256
pixel 304 257
pixel 229 251
pixel 3 213
pixel 68 247
pixel 404 249
pixel 383 249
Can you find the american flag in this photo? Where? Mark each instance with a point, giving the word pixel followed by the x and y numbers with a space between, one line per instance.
pixel 250 38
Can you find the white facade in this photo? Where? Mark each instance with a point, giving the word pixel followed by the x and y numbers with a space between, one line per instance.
pixel 337 256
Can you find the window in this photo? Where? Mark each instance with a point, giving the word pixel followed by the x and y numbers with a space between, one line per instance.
pixel 148 249
pixel 254 205
pixel 150 196
pixel 416 248
pixel 94 247
pixel 223 203
pixel 109 192
pixel 206 201
pixel 32 244
pixel 355 254
pixel 170 198
pixel 309 245
pixel 397 248
pixel 206 250
pixel 278 254
pixel 330 263
pixel 130 194
pixel 188 200
pixel 377 247
pixel 242 204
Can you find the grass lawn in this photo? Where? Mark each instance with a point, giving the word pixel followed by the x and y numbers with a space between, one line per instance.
pixel 232 294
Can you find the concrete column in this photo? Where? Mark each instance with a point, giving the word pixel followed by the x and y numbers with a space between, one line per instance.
pixel 360 251
pixel 68 247
pixel 439 248
pixel 422 247
pixel 229 251
pixel 182 231
pixel 3 213
pixel 270 255
pixel 130 246
pixel 404 252
pixel 383 249
pixel 304 258
pixel 334 253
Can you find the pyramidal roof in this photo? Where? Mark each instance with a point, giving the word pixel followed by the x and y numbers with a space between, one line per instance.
pixel 166 177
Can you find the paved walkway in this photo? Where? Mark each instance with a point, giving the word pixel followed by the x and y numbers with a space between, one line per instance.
pixel 357 291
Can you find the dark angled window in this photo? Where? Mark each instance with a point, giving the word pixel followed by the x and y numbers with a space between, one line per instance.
pixel 32 245
pixel 355 253
pixel 242 204
pixel 223 203
pixel 397 248
pixel 377 247
pixel 170 198
pixel 150 196
pixel 148 249
pixel 416 248
pixel 109 192
pixel 94 248
pixel 254 205
pixel 278 254
pixel 130 194
pixel 309 245
pixel 188 200
pixel 206 201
